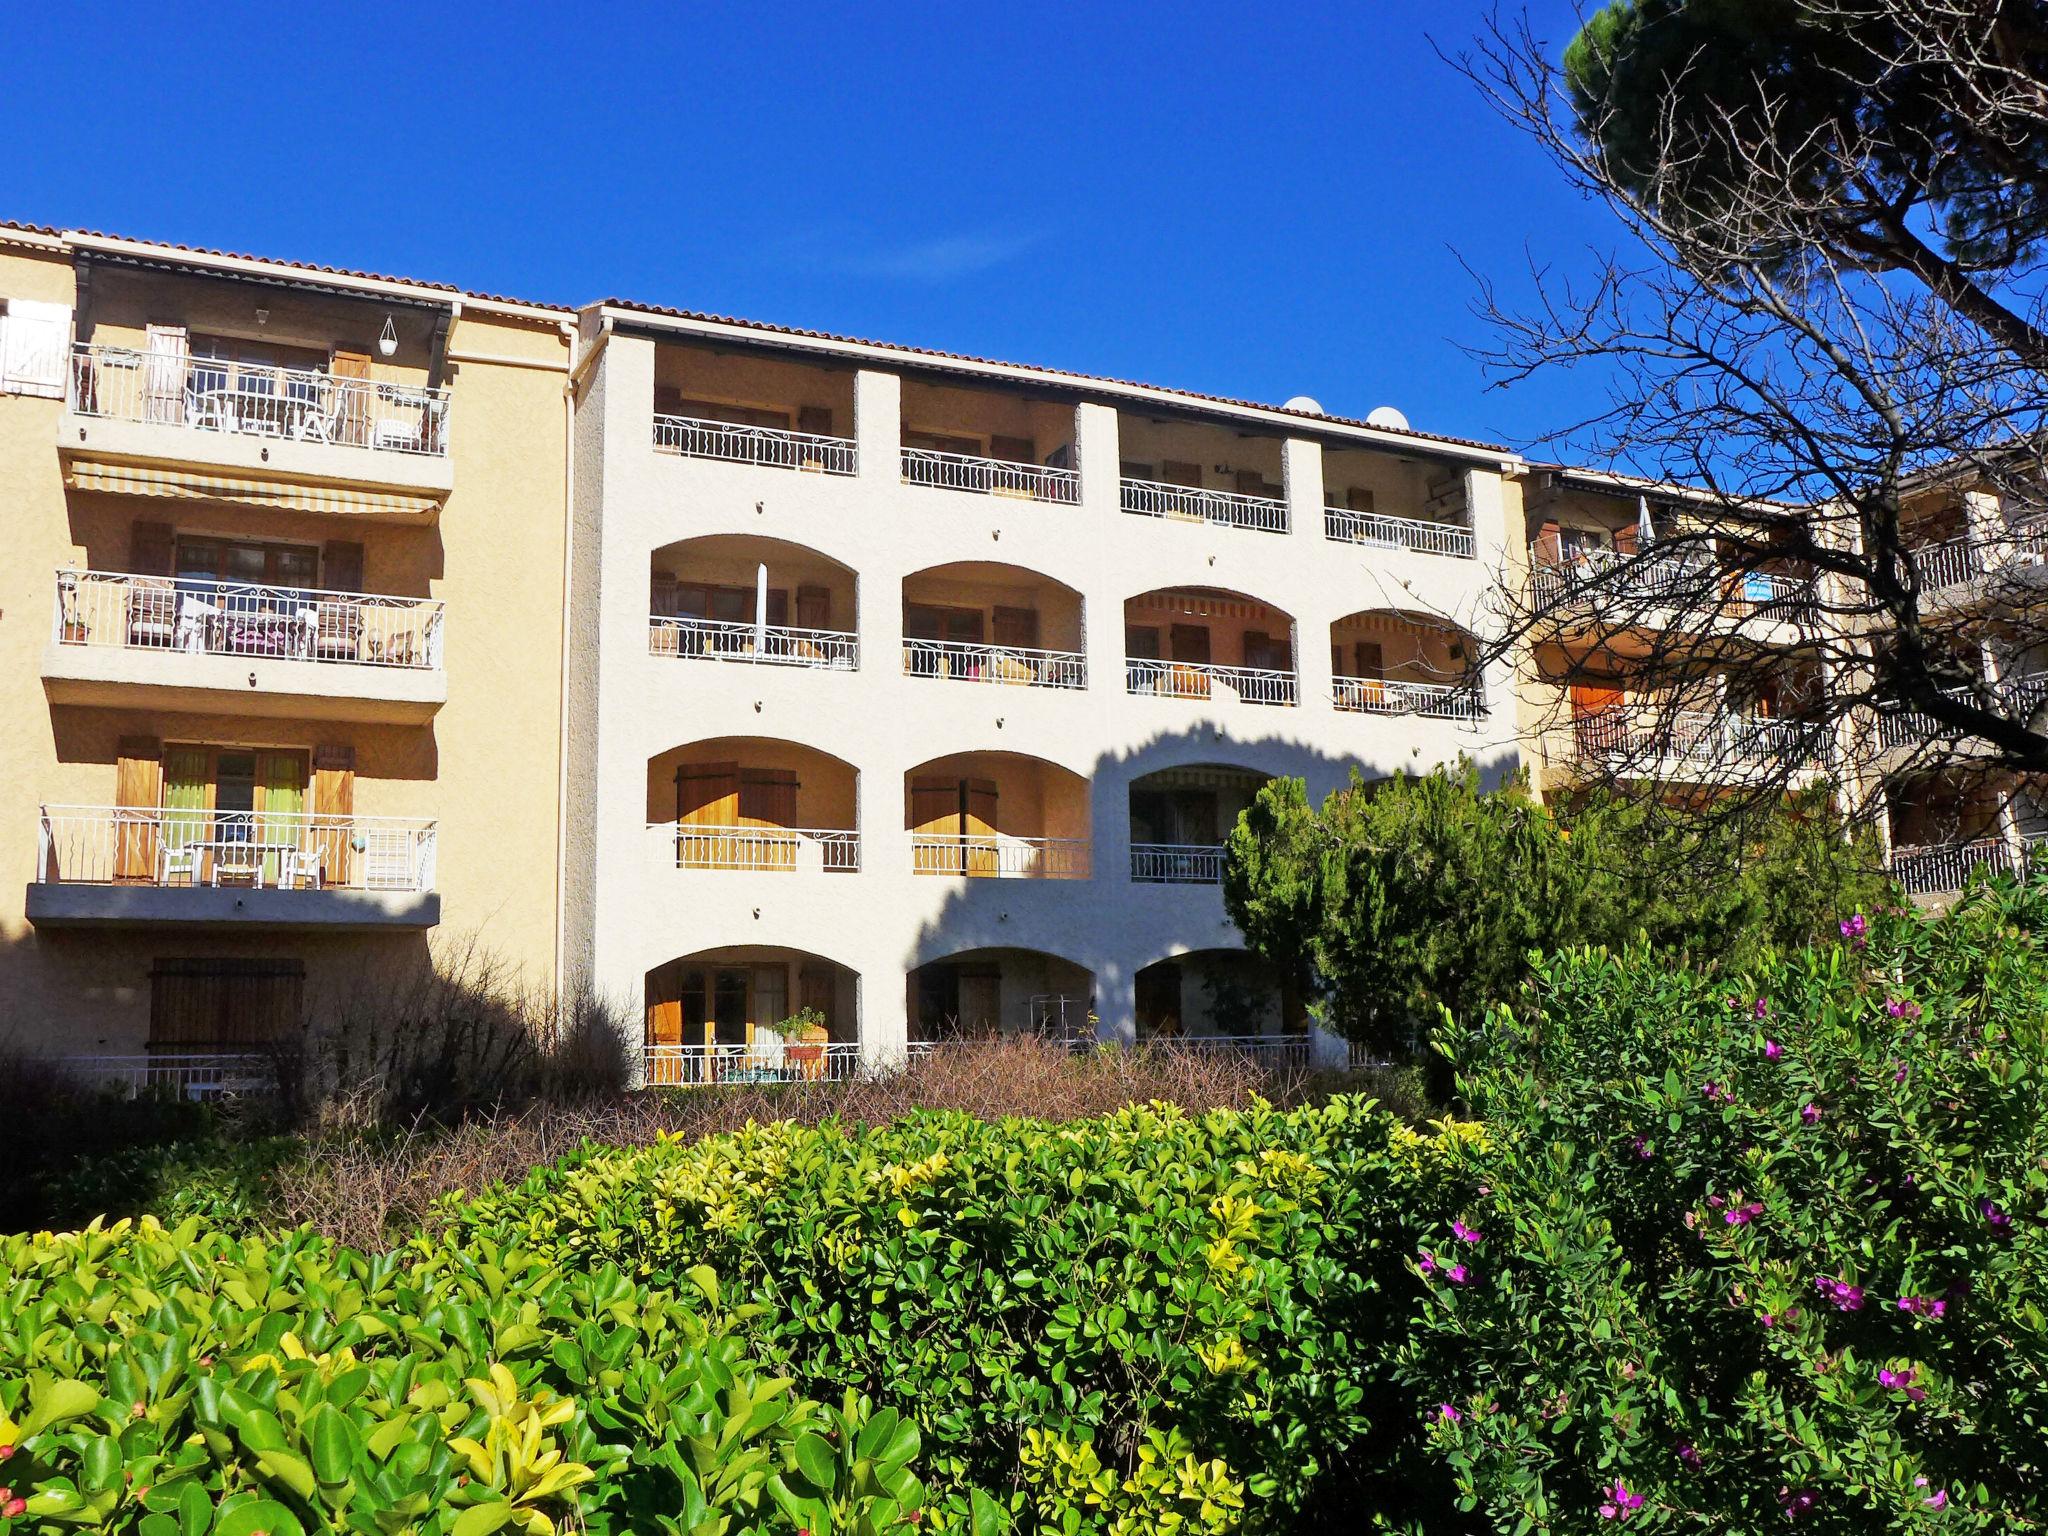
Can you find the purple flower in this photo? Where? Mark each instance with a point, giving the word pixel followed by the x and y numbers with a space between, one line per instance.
pixel 1642 1148
pixel 1902 1008
pixel 1715 1093
pixel 1999 1222
pixel 1902 1381
pixel 1687 1453
pixel 1762 1010
pixel 1939 1499
pixel 1448 1414
pixel 1854 927
pixel 1798 1501
pixel 1900 1075
pixel 1466 1234
pixel 1457 1274
pixel 1810 1113
pixel 1427 1263
pixel 1743 1215
pixel 1773 1050
pixel 1620 1502
pixel 1846 1297
pixel 1923 1306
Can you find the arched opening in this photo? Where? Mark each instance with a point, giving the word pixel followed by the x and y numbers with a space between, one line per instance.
pixel 1384 662
pixel 1197 642
pixel 978 621
pixel 986 994
pixel 756 803
pixel 1218 998
pixel 1180 817
pixel 750 1013
pixel 997 815
pixel 738 598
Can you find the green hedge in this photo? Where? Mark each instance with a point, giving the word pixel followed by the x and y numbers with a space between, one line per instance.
pixel 174 1382
pixel 1787 1227
pixel 1151 1321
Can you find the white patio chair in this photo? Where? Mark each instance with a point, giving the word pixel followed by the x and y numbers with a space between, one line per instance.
pixel 177 861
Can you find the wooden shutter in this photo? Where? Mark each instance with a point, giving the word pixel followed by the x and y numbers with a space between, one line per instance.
pixel 814 607
pixel 814 419
pixel 1180 472
pixel 707 794
pixel 152 549
pixel 341 565
pixel 1019 450
pixel 1250 483
pixel 1017 627
pixel 352 421
pixel 205 1006
pixel 665 1006
pixel 138 790
pixel 1258 649
pixel 1141 642
pixel 1549 543
pixel 817 989
pixel 1358 499
pixel 768 797
pixel 935 806
pixel 1368 659
pixel 1190 642
pixel 1625 539
pixel 334 808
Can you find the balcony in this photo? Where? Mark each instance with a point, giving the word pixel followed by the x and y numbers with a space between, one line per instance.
pixel 195 644
pixel 769 1060
pixel 125 407
pixel 1955 562
pixel 696 437
pixel 1177 863
pixel 1620 586
pixel 767 645
pixel 769 849
pixel 99 865
pixel 1418 535
pixel 991 477
pixel 1649 741
pixel 997 856
pixel 996 816
pixel 1392 696
pixel 1225 509
pixel 1945 868
pixel 1203 680
pixel 1014 666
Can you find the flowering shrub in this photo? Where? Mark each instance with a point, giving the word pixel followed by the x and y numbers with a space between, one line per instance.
pixel 175 1382
pixel 1763 1252
pixel 1149 1321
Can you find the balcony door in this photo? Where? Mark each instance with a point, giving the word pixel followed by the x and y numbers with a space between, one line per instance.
pixel 957 816
pixel 724 1005
pixel 233 811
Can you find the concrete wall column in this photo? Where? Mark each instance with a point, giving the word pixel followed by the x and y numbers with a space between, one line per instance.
pixel 878 426
pixel 1301 463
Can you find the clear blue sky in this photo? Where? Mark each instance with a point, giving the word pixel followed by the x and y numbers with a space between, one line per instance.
pixel 1257 201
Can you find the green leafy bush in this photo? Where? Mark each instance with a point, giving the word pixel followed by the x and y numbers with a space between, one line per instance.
pixel 1151 1321
pixel 175 1382
pixel 1758 1251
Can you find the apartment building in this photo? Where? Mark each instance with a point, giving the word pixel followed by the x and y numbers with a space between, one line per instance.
pixel 919 691
pixel 280 639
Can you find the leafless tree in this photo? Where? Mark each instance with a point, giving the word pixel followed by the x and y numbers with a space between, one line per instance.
pixel 1830 401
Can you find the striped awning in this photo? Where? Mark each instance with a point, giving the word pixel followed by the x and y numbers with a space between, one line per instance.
pixel 161 482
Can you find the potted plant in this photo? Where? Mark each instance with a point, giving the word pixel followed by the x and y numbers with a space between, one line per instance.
pixel 806 1034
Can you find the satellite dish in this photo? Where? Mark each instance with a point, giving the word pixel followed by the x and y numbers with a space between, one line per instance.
pixel 1386 416
pixel 1307 403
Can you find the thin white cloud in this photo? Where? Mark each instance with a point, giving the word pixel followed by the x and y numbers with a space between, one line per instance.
pixel 937 260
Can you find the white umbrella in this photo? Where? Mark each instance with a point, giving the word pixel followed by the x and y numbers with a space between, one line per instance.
pixel 1645 529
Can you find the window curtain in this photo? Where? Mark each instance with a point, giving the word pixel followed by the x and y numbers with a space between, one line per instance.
pixel 282 776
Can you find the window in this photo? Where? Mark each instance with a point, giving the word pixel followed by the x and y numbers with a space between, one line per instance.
pixel 941 442
pixel 204 1006
pixel 242 560
pixel 34 341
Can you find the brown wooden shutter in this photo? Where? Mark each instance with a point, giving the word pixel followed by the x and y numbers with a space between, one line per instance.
pixel 1020 450
pixel 707 794
pixel 1017 627
pixel 1368 659
pixel 817 989
pixel 1358 499
pixel 1258 649
pixel 341 565
pixel 1549 543
pixel 935 806
pixel 352 422
pixel 1190 642
pixel 152 549
pixel 1625 539
pixel 814 419
pixel 1250 483
pixel 814 607
pixel 768 797
pixel 334 808
pixel 138 791
pixel 1180 472
pixel 980 803
pixel 1141 642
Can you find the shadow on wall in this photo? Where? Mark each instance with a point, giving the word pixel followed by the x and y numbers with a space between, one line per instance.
pixel 1152 812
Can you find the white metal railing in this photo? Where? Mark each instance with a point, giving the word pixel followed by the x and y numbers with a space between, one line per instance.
pixel 1419 534
pixel 811 850
pixel 2019 696
pixel 1177 863
pixel 1229 509
pixel 1269 1051
pixel 695 437
pixel 999 856
pixel 1195 680
pixel 1949 563
pixel 994 477
pixel 1013 664
pixel 306 405
pixel 270 850
pixel 180 1075
pixel 1682 577
pixel 198 616
pixel 776 645
pixel 1641 735
pixel 1946 867
pixel 1392 696
pixel 1773 589
pixel 765 1060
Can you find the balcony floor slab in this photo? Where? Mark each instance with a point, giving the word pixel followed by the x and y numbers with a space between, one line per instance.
pixel 269 688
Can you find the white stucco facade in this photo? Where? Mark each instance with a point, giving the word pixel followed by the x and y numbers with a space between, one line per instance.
pixel 630 907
